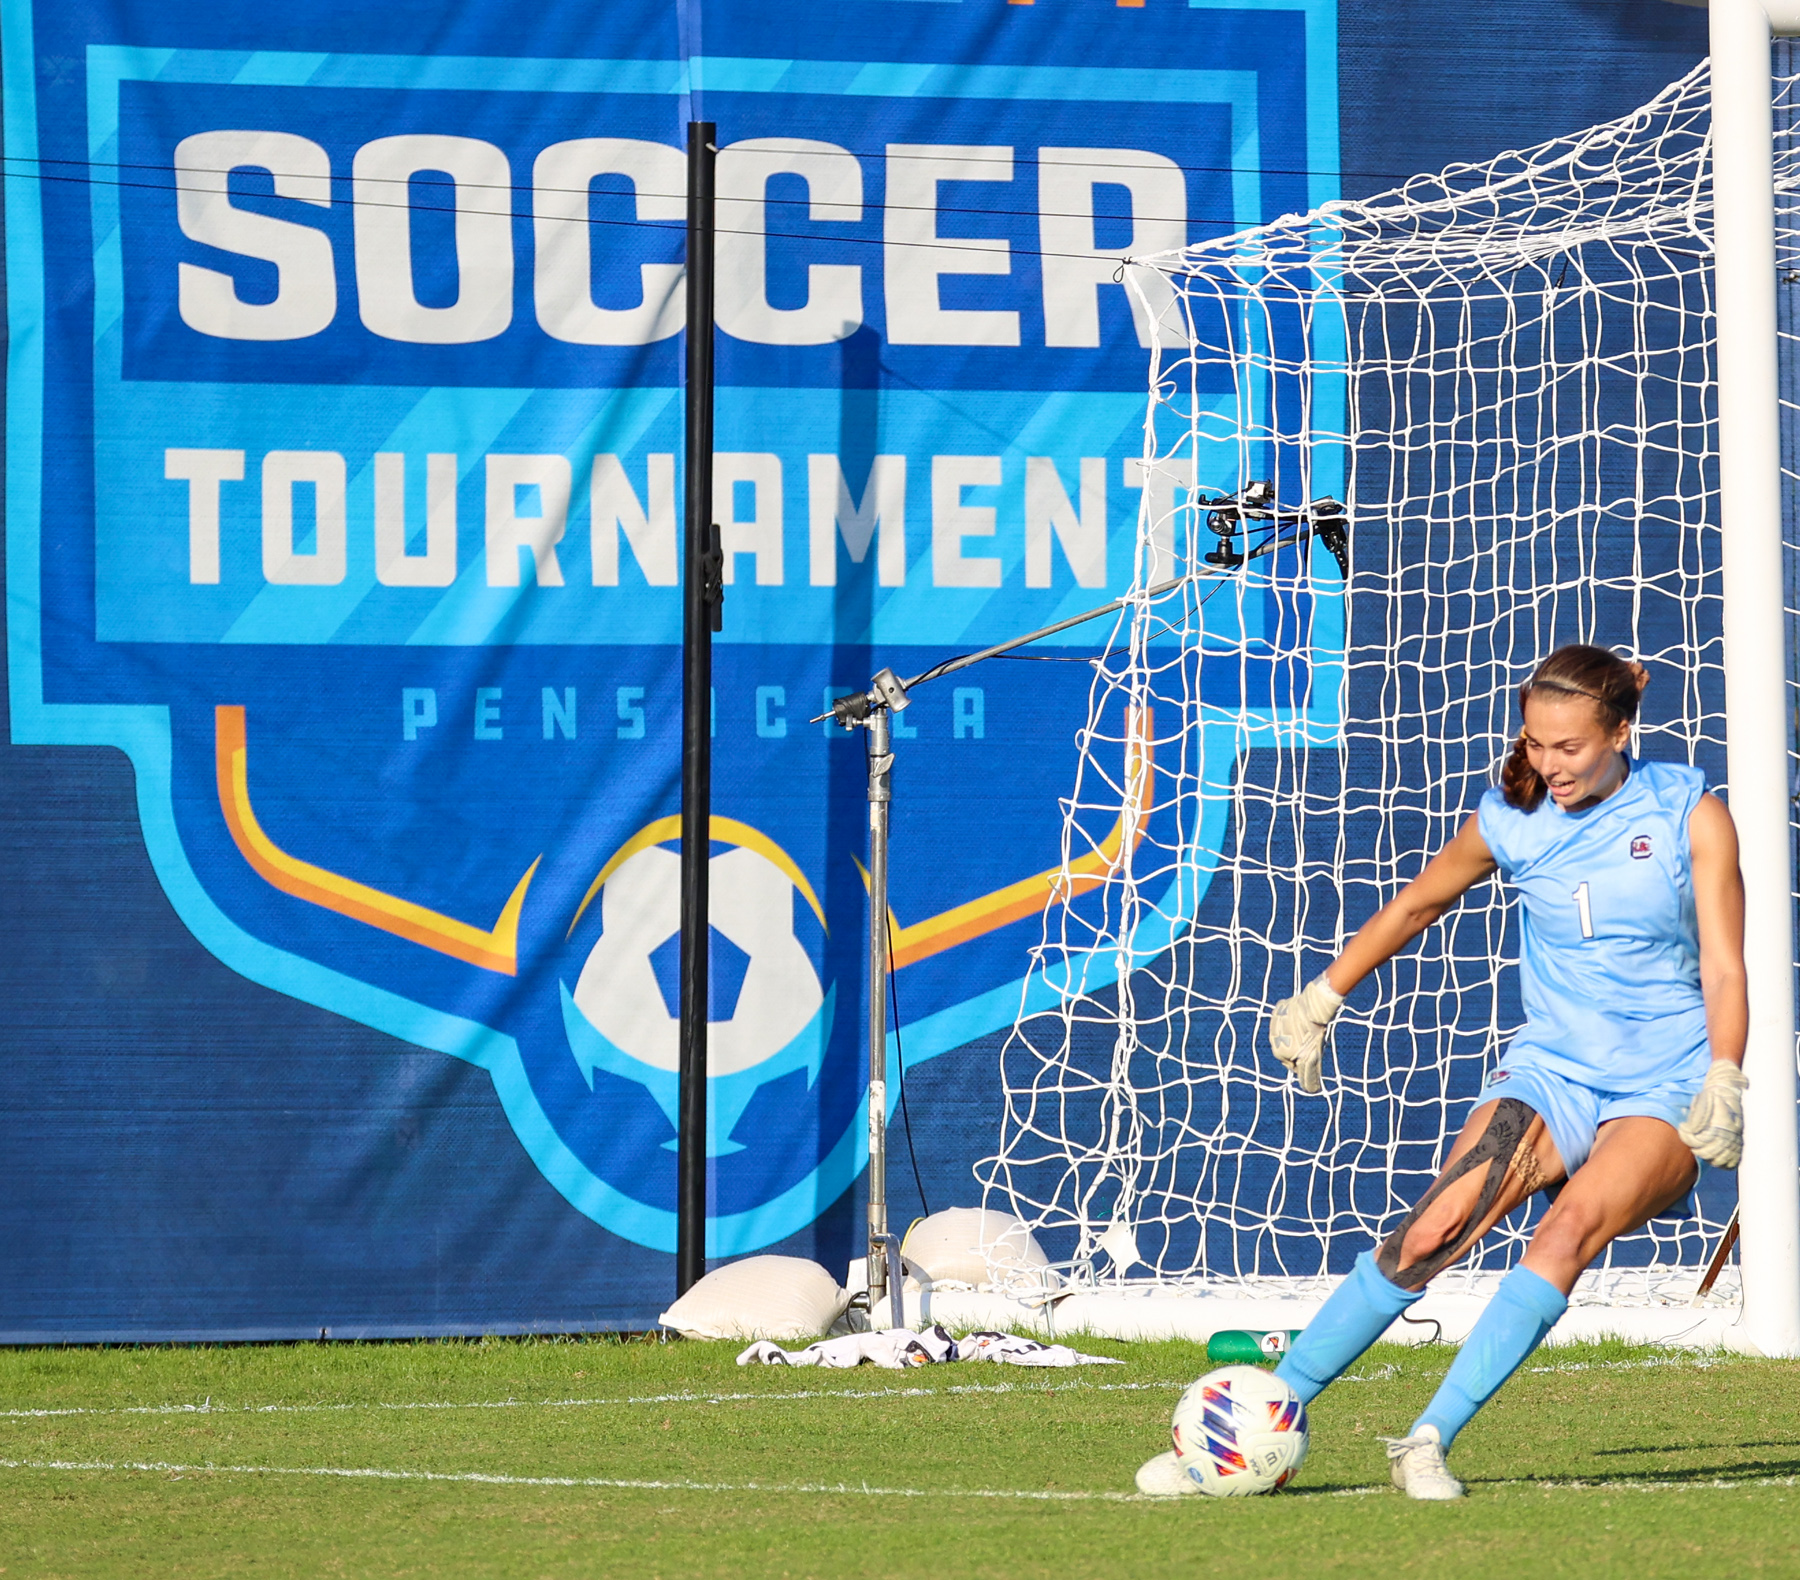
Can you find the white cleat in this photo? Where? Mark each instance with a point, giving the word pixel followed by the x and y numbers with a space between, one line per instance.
pixel 1163 1477
pixel 1418 1468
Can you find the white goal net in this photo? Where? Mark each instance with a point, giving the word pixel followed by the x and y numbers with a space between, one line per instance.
pixel 1505 372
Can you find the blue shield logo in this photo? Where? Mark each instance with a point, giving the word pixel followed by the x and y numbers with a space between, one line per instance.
pixel 364 547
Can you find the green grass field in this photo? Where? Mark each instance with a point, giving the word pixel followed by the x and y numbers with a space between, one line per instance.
pixel 568 1458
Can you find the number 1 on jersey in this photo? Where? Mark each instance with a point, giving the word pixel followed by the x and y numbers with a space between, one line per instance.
pixel 1583 909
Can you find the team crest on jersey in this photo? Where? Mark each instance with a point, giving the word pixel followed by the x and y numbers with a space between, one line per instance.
pixel 1640 847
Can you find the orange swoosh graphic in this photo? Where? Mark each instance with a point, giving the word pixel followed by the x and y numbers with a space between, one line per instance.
pixel 497 949
pixel 665 829
pixel 1029 896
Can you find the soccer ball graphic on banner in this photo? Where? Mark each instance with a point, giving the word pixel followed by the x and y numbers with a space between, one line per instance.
pixel 1239 1431
pixel 770 1013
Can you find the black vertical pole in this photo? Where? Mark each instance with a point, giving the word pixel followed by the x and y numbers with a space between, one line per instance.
pixel 700 611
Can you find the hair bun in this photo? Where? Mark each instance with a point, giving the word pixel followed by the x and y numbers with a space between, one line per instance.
pixel 1638 673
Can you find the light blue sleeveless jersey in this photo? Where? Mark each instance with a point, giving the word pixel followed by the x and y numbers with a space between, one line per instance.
pixel 1610 968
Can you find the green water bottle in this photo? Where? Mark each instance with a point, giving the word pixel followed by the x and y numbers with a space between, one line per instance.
pixel 1249 1346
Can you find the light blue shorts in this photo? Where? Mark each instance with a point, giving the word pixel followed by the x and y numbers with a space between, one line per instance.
pixel 1574 1113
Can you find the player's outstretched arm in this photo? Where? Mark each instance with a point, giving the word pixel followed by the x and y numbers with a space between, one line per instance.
pixel 1447 877
pixel 1297 1025
pixel 1714 1127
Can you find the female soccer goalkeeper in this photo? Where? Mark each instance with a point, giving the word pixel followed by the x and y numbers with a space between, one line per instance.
pixel 1627 1067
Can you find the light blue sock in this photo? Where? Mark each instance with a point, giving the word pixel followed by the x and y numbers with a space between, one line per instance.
pixel 1358 1313
pixel 1524 1308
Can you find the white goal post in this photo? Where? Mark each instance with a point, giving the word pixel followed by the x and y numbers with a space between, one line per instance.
pixel 1758 711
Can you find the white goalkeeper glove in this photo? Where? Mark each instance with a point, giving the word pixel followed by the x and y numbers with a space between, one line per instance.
pixel 1297 1030
pixel 1714 1127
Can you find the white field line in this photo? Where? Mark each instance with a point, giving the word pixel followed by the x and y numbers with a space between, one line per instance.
pixel 1696 1363
pixel 810 1488
pixel 1069 1385
pixel 207 1407
pixel 1536 1484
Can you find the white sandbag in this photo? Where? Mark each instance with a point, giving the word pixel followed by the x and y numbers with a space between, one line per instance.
pixel 974 1245
pixel 761 1297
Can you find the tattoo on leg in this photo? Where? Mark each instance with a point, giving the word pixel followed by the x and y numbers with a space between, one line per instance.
pixel 1533 1176
pixel 1501 1145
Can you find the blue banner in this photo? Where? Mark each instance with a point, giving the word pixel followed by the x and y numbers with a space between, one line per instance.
pixel 344 466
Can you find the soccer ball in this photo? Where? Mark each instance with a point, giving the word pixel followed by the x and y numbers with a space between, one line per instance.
pixel 1239 1431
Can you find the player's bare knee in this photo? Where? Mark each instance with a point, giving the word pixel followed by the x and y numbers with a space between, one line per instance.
pixel 1440 1225
pixel 1568 1229
pixel 1421 1247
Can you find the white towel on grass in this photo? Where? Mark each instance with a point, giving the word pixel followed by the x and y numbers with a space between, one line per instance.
pixel 1011 1350
pixel 898 1348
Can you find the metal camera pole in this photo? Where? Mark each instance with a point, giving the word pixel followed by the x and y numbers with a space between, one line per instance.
pixel 1250 509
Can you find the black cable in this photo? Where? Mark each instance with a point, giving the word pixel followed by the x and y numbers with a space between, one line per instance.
pixel 1058 658
pixel 1437 1336
pixel 673 227
pixel 900 1066
pixel 637 194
